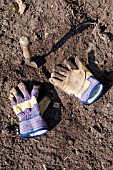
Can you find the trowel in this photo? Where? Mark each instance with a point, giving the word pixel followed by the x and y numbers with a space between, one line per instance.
pixel 25 45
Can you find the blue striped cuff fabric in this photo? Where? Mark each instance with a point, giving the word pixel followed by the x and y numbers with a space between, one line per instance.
pixel 33 124
pixel 86 95
pixel 31 121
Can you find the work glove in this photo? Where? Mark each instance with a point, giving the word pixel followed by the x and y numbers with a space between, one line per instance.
pixel 78 82
pixel 31 123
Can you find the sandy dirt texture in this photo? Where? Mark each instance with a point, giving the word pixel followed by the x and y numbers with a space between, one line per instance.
pixel 80 137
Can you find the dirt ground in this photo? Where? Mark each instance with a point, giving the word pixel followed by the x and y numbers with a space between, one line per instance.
pixel 80 137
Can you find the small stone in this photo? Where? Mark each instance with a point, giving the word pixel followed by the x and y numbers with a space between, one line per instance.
pixel 56 105
pixel 70 142
pixel 96 62
pixel 46 34
pixel 3 132
pixel 108 105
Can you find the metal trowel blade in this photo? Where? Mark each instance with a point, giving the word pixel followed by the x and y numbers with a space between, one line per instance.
pixel 31 63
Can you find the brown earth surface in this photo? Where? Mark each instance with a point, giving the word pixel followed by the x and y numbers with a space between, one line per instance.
pixel 80 137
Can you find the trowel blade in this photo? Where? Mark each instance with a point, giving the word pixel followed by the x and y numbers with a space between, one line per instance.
pixel 31 64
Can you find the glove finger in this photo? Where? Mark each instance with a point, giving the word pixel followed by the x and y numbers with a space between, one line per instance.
pixel 55 82
pixel 78 63
pixel 24 91
pixel 18 97
pixel 57 75
pixel 12 99
pixel 61 70
pixel 35 90
pixel 69 64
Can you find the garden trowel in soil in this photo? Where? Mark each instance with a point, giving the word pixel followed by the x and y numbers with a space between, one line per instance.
pixel 25 45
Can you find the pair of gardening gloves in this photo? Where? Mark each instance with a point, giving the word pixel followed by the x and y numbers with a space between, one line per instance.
pixel 77 82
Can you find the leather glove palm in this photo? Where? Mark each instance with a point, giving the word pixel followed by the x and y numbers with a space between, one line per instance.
pixel 80 83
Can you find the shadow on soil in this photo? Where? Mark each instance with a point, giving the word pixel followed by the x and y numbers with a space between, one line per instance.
pixel 72 32
pixel 105 77
pixel 52 115
pixel 40 60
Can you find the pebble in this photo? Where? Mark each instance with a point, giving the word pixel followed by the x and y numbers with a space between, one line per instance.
pixel 56 105
pixel 108 105
pixel 46 34
pixel 70 142
pixel 5 23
